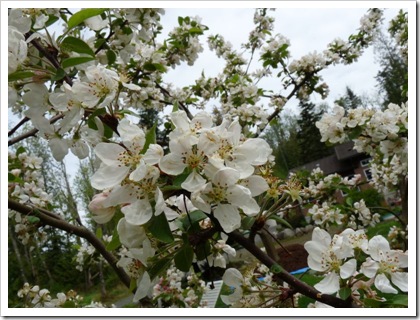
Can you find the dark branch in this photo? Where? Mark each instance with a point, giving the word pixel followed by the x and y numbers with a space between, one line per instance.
pixel 55 221
pixel 32 132
pixel 295 283
pixel 21 123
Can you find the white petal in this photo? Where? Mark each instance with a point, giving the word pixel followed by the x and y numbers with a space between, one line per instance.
pixel 120 195
pixel 314 262
pixel 108 153
pixel 172 164
pixel 153 154
pixel 329 285
pixel 226 177
pixel 138 213
pixel 383 284
pixel 322 237
pixel 233 278
pixel 198 201
pixel 130 236
pixel 348 269
pixel 180 120
pixel 228 217
pixel 104 215
pixel 143 287
pixel 131 134
pixel 400 279
pixel 256 151
pixel 241 197
pixel 140 172
pixel 219 261
pixel 108 176
pixel 376 245
pixel 59 148
pixel 160 202
pixel 369 268
pixel 193 182
pixel 256 184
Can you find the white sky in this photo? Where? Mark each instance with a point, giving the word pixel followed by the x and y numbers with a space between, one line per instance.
pixel 307 29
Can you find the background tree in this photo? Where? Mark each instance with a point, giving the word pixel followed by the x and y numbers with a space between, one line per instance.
pixel 349 100
pixel 393 72
pixel 308 136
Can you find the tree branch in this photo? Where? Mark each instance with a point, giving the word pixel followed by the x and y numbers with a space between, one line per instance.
pixel 181 105
pixel 53 220
pixel 16 127
pixel 32 132
pixel 37 44
pixel 295 283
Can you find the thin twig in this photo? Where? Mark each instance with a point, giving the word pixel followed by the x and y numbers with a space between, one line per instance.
pixel 50 219
pixel 16 127
pixel 32 132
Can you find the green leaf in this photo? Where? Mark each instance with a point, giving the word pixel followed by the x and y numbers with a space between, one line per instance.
pixel 192 218
pixel 180 20
pixel 32 219
pixel 115 242
pixel 150 138
pixel 195 30
pixel 203 250
pixel 76 45
pixel 159 227
pixel 51 20
pixel 304 301
pixel 349 201
pixel 184 257
pixel 276 268
pixel 91 119
pixel 70 62
pixel 159 267
pixel 247 222
pixel 18 75
pixel 344 293
pixel 60 74
pixel 20 150
pixel 69 304
pixel 99 233
pixel 82 15
pixel 356 132
pixel 372 303
pixel 281 221
pixel 108 132
pixel 398 299
pixel 111 56
pixel 154 67
pixel 99 42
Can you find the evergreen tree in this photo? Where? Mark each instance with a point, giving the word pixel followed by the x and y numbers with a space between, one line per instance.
pixel 393 72
pixel 349 100
pixel 308 136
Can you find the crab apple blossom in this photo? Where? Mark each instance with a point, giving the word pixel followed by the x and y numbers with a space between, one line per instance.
pixel 328 255
pixel 120 161
pixel 197 188
pixel 385 263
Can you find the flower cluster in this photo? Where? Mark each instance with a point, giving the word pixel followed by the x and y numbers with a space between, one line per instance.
pixel 381 134
pixel 350 253
pixel 26 182
pixel 178 289
pixel 183 43
pixel 34 297
pixel 254 287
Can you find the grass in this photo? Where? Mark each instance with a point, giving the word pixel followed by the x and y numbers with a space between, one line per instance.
pixel 113 294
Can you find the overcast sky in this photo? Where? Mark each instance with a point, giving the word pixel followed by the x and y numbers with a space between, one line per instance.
pixel 307 29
